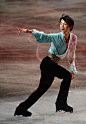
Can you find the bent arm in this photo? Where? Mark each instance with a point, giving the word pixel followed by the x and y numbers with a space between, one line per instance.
pixel 72 61
pixel 71 54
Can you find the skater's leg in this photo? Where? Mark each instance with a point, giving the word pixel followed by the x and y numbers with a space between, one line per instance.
pixel 45 82
pixel 62 73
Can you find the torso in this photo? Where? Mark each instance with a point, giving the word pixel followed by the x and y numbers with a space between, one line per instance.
pixel 67 45
pixel 67 40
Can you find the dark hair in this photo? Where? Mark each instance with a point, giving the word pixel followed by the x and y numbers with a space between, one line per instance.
pixel 68 19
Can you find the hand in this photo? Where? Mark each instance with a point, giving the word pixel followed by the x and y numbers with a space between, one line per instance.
pixel 72 73
pixel 24 30
pixel 19 30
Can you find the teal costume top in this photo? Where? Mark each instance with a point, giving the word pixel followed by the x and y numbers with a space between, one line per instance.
pixel 58 45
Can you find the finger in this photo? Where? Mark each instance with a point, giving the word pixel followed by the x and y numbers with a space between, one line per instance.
pixel 19 32
pixel 19 29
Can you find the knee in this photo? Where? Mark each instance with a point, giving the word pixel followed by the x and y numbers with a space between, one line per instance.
pixel 46 80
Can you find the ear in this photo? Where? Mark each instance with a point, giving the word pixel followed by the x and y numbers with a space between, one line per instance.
pixel 71 27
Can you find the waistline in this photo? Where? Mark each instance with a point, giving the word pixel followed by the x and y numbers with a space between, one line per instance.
pixel 53 57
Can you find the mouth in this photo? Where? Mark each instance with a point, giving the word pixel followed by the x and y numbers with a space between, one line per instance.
pixel 63 29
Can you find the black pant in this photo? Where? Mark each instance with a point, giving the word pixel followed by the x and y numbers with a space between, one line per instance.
pixel 49 70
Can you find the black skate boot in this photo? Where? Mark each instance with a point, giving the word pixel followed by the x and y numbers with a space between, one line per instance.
pixel 63 107
pixel 20 110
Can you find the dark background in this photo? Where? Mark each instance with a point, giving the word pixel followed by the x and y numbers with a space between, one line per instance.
pixel 20 56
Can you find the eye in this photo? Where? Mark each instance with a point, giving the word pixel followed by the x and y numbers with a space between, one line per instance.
pixel 65 23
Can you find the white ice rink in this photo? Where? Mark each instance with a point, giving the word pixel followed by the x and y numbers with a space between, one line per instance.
pixel 43 112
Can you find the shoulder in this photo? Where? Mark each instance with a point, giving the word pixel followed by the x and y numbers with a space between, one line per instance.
pixel 59 35
pixel 73 38
pixel 55 35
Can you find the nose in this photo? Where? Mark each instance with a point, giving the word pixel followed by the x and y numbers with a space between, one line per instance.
pixel 62 25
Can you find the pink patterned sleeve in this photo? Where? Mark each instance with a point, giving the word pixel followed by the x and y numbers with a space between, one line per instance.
pixel 71 54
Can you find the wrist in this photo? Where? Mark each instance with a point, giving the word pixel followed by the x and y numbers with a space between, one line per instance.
pixel 27 30
pixel 72 72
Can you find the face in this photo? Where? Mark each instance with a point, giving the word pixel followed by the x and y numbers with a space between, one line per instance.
pixel 64 26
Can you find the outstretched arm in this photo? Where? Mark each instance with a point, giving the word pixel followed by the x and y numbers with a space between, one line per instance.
pixel 24 30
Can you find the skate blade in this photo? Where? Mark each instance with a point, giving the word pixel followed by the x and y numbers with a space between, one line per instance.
pixel 21 116
pixel 62 111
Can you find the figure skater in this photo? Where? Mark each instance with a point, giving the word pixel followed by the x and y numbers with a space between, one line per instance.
pixel 63 44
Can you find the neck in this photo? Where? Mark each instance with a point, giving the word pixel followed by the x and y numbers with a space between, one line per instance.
pixel 67 36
